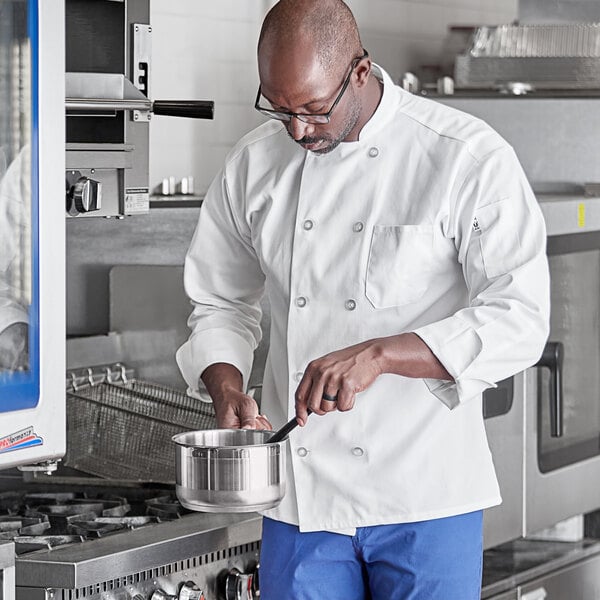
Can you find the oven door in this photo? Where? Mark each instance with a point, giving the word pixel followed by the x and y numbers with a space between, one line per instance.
pixel 562 426
pixel 503 412
pixel 32 236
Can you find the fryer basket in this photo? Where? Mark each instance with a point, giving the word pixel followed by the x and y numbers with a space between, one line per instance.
pixel 123 431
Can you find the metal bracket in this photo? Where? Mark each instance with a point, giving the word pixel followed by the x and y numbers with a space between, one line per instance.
pixel 93 376
pixel 48 467
pixel 140 68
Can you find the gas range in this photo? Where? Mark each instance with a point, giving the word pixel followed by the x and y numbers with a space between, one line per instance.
pixel 106 542
pixel 45 520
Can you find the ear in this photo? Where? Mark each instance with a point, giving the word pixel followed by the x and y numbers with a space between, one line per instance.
pixel 362 72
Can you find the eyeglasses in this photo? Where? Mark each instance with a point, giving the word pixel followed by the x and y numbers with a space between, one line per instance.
pixel 321 118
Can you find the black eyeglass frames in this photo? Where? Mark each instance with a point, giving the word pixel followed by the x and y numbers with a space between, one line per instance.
pixel 317 119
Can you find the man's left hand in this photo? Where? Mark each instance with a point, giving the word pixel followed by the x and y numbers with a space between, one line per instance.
pixel 332 381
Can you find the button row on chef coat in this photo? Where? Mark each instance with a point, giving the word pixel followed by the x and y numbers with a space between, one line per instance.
pixel 302 301
pixel 357 451
pixel 308 224
pixel 373 152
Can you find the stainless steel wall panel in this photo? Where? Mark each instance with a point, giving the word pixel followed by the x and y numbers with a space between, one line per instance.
pixel 558 11
pixel 557 140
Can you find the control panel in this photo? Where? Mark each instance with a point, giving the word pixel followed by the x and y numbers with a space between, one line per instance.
pixel 228 574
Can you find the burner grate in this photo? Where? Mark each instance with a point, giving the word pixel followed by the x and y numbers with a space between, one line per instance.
pixel 43 521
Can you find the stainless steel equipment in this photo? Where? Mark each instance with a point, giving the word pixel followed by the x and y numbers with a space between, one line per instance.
pixel 230 470
pixel 561 462
pixel 123 536
pixel 562 11
pixel 541 570
pixel 503 410
pixel 544 56
pixel 113 542
pixel 120 428
pixel 7 570
pixel 32 237
pixel 108 90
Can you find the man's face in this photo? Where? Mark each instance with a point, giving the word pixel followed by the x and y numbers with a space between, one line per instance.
pixel 322 139
pixel 300 85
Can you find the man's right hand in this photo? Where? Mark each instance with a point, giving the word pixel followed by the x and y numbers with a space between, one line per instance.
pixel 233 408
pixel 239 411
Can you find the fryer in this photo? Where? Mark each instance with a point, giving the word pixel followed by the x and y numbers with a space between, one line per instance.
pixel 120 428
pixel 108 525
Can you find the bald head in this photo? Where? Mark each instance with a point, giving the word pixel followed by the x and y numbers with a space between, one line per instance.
pixel 327 27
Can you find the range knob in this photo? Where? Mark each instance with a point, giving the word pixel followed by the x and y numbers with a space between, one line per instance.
pixel 238 586
pixel 161 595
pixel 190 591
pixel 86 195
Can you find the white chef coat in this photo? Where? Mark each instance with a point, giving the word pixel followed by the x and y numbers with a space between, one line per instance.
pixel 425 224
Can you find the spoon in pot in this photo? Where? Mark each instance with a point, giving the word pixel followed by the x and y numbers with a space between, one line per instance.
pixel 280 434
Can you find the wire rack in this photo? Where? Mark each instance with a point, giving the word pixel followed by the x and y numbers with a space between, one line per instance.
pixel 123 431
pixel 581 40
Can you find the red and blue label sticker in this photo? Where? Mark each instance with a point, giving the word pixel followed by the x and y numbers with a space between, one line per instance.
pixel 24 438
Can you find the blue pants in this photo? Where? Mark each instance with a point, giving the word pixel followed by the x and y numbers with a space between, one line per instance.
pixel 439 559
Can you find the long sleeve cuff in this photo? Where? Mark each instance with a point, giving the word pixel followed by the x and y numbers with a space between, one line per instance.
pixel 208 347
pixel 456 345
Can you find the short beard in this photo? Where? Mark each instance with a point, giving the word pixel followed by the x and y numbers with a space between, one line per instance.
pixel 351 122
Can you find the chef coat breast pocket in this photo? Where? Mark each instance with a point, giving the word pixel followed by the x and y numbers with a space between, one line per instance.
pixel 400 264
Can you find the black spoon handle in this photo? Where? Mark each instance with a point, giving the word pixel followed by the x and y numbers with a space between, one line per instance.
pixel 280 434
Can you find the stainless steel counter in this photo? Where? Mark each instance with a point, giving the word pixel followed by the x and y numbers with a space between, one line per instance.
pixel 518 565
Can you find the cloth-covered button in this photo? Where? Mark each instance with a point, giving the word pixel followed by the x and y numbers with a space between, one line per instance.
pixel 301 301
pixel 357 227
pixel 357 451
pixel 298 375
pixel 373 152
pixel 350 304
pixel 308 224
pixel 302 452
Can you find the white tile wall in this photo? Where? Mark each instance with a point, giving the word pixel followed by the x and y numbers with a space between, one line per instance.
pixel 206 49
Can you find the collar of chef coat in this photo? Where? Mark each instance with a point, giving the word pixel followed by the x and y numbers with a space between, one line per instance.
pixel 392 97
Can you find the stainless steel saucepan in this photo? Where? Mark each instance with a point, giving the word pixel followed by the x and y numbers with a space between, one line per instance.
pixel 231 470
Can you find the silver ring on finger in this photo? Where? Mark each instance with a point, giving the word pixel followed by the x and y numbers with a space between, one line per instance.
pixel 329 397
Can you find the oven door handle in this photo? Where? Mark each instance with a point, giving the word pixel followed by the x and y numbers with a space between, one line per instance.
pixel 195 109
pixel 112 104
pixel 552 358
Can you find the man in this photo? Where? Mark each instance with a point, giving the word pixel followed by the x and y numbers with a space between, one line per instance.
pixel 403 256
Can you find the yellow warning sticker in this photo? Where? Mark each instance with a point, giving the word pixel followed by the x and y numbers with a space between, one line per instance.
pixel 581 214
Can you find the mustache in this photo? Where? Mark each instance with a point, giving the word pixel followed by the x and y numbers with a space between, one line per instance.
pixel 309 140
pixel 306 139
